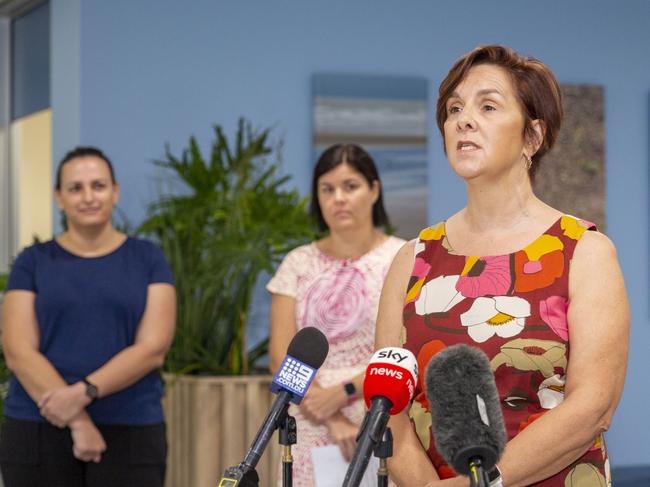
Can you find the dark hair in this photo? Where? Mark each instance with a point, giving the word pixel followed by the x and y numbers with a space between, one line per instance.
pixel 82 151
pixel 361 161
pixel 535 86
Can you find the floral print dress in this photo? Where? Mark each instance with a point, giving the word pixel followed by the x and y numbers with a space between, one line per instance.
pixel 514 308
pixel 341 298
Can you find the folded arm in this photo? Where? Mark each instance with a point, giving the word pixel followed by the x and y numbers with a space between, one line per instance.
pixel 153 338
pixel 20 340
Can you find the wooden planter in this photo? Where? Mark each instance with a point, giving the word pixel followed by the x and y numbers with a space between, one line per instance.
pixel 211 422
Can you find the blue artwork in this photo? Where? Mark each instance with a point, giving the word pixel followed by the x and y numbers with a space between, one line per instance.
pixel 387 115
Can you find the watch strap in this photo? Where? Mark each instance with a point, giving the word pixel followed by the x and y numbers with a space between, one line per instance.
pixel 350 391
pixel 91 390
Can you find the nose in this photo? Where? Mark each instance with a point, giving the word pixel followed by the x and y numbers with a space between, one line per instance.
pixel 339 195
pixel 465 120
pixel 87 194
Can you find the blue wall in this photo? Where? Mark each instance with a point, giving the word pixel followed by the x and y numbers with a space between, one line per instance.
pixel 157 71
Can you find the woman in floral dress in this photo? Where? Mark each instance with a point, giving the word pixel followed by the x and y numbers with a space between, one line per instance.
pixel 539 291
pixel 334 284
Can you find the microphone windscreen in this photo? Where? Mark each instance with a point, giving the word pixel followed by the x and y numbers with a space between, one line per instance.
pixel 466 415
pixel 310 346
pixel 392 373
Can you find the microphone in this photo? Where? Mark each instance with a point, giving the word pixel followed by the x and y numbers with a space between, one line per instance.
pixel 466 415
pixel 388 387
pixel 305 354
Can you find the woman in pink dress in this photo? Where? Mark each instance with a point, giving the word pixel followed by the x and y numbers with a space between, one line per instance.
pixel 516 278
pixel 334 284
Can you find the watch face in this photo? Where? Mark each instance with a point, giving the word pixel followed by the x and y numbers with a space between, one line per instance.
pixel 350 389
pixel 494 474
pixel 91 391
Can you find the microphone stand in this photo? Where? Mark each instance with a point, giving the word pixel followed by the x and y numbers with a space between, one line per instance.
pixel 288 436
pixel 244 474
pixel 384 450
pixel 370 435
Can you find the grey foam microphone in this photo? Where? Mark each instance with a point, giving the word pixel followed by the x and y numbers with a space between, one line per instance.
pixel 466 415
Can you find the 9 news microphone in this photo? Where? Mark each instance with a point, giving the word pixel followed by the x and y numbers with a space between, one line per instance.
pixel 388 387
pixel 306 353
pixel 466 415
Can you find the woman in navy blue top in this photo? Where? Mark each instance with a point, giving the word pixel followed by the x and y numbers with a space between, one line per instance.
pixel 88 318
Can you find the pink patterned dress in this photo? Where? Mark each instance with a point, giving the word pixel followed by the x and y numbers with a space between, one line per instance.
pixel 513 307
pixel 340 297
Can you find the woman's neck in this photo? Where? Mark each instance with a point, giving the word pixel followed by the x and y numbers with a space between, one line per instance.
pixel 502 205
pixel 351 244
pixel 92 241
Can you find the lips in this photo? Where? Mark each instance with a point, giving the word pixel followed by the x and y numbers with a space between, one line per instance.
pixel 467 145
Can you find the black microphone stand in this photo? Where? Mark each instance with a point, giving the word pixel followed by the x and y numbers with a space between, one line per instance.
pixel 384 450
pixel 288 436
pixel 370 435
pixel 244 474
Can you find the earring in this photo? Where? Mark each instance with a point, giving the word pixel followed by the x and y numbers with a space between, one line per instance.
pixel 528 162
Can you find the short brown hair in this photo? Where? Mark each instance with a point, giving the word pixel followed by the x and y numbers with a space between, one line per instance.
pixel 535 85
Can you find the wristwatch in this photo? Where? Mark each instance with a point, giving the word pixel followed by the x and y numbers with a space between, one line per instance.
pixel 494 476
pixel 91 390
pixel 350 391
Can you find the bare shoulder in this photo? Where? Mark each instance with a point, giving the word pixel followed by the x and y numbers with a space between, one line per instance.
pixel 403 261
pixel 406 252
pixel 389 318
pixel 595 270
pixel 594 246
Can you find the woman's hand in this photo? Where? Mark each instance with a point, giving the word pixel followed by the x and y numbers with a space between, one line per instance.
pixel 344 433
pixel 62 404
pixel 322 402
pixel 87 442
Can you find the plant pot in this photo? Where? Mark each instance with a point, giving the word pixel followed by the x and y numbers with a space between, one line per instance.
pixel 211 422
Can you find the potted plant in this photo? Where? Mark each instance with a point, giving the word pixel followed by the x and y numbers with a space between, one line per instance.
pixel 231 221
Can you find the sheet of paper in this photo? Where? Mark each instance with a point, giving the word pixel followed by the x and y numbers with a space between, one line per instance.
pixel 330 467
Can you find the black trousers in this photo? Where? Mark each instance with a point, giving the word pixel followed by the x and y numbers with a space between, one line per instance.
pixel 34 454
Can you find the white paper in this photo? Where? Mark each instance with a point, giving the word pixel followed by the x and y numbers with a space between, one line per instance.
pixel 330 467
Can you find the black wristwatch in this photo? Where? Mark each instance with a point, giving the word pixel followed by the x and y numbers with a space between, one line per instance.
pixel 351 391
pixel 91 390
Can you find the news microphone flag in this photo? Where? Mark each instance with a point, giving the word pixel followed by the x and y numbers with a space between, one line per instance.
pixel 392 373
pixel 294 376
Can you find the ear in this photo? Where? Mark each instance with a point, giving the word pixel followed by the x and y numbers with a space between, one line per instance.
pixel 57 198
pixel 116 193
pixel 535 140
pixel 376 185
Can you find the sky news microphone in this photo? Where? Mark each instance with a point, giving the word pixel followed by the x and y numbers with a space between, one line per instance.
pixel 466 415
pixel 306 353
pixel 388 387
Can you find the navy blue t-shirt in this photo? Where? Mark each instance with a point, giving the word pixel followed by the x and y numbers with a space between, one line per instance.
pixel 88 310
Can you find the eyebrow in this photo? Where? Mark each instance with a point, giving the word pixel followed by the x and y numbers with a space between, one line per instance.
pixel 486 91
pixel 98 180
